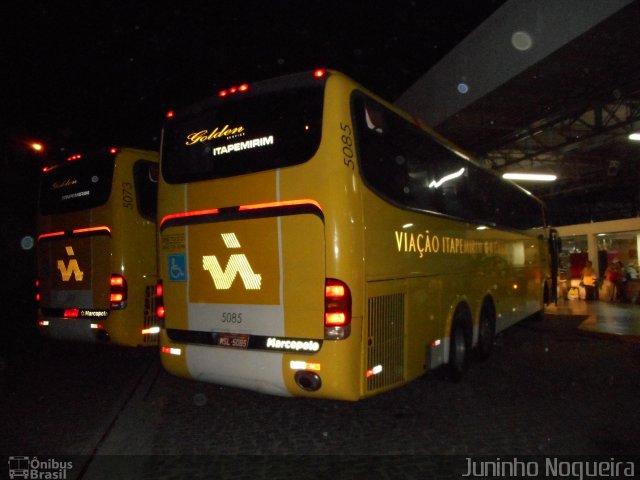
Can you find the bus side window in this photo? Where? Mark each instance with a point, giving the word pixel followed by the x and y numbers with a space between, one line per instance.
pixel 145 176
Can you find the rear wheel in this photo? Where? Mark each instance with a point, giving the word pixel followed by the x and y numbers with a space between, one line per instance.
pixel 459 344
pixel 486 331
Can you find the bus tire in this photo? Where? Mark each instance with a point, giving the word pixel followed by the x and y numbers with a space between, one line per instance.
pixel 486 331
pixel 459 347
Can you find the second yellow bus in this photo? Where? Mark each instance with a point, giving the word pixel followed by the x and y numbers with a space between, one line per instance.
pixel 96 249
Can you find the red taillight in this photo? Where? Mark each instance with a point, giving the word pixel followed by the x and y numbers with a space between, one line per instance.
pixel 160 313
pixel 118 294
pixel 37 290
pixel 337 309
pixel 113 150
pixel 170 114
pixel 319 72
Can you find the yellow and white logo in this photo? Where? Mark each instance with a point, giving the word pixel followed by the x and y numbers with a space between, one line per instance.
pixel 237 264
pixel 72 269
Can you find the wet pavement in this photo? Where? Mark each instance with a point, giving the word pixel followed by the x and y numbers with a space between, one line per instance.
pixel 621 320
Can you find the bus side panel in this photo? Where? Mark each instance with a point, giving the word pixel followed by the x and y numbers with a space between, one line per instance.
pixel 134 254
pixel 425 303
pixel 447 263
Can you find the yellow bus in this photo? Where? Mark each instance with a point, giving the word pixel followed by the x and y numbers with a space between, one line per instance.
pixel 315 241
pixel 96 248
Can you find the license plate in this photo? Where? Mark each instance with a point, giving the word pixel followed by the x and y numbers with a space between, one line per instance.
pixel 233 340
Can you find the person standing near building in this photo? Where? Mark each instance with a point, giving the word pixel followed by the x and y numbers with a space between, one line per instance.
pixel 589 281
pixel 613 282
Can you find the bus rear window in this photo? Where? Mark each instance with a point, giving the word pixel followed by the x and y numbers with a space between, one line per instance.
pixel 76 185
pixel 236 136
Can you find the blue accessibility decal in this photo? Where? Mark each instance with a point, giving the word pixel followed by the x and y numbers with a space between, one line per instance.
pixel 177 267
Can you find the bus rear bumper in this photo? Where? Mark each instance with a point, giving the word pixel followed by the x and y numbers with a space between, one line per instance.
pixel 82 330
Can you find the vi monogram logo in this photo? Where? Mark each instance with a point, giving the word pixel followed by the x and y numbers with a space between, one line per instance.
pixel 237 264
pixel 72 269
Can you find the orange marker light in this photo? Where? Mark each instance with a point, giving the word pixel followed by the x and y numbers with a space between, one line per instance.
pixel 335 319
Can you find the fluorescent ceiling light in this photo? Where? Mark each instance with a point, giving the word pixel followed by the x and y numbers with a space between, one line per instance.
pixel 635 136
pixel 530 177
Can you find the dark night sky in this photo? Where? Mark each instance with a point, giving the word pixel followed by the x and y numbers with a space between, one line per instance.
pixel 93 73
pixel 78 75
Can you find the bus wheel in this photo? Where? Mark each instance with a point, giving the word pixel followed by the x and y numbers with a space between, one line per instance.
pixel 486 331
pixel 458 348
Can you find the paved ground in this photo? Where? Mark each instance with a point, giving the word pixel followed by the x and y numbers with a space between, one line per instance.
pixel 549 389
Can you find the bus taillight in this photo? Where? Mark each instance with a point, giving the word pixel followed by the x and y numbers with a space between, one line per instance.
pixel 171 350
pixel 38 291
pixel 118 295
pixel 160 313
pixel 337 309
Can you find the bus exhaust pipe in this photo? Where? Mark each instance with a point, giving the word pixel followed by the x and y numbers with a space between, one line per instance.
pixel 308 381
pixel 102 336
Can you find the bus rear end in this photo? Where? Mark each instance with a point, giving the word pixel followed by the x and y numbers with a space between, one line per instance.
pixel 94 252
pixel 252 292
pixel 74 283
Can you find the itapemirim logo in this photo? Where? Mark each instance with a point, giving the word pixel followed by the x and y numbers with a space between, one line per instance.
pixel 72 269
pixel 237 264
pixel 35 468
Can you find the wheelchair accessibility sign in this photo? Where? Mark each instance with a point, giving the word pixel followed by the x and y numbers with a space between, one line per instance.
pixel 177 267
